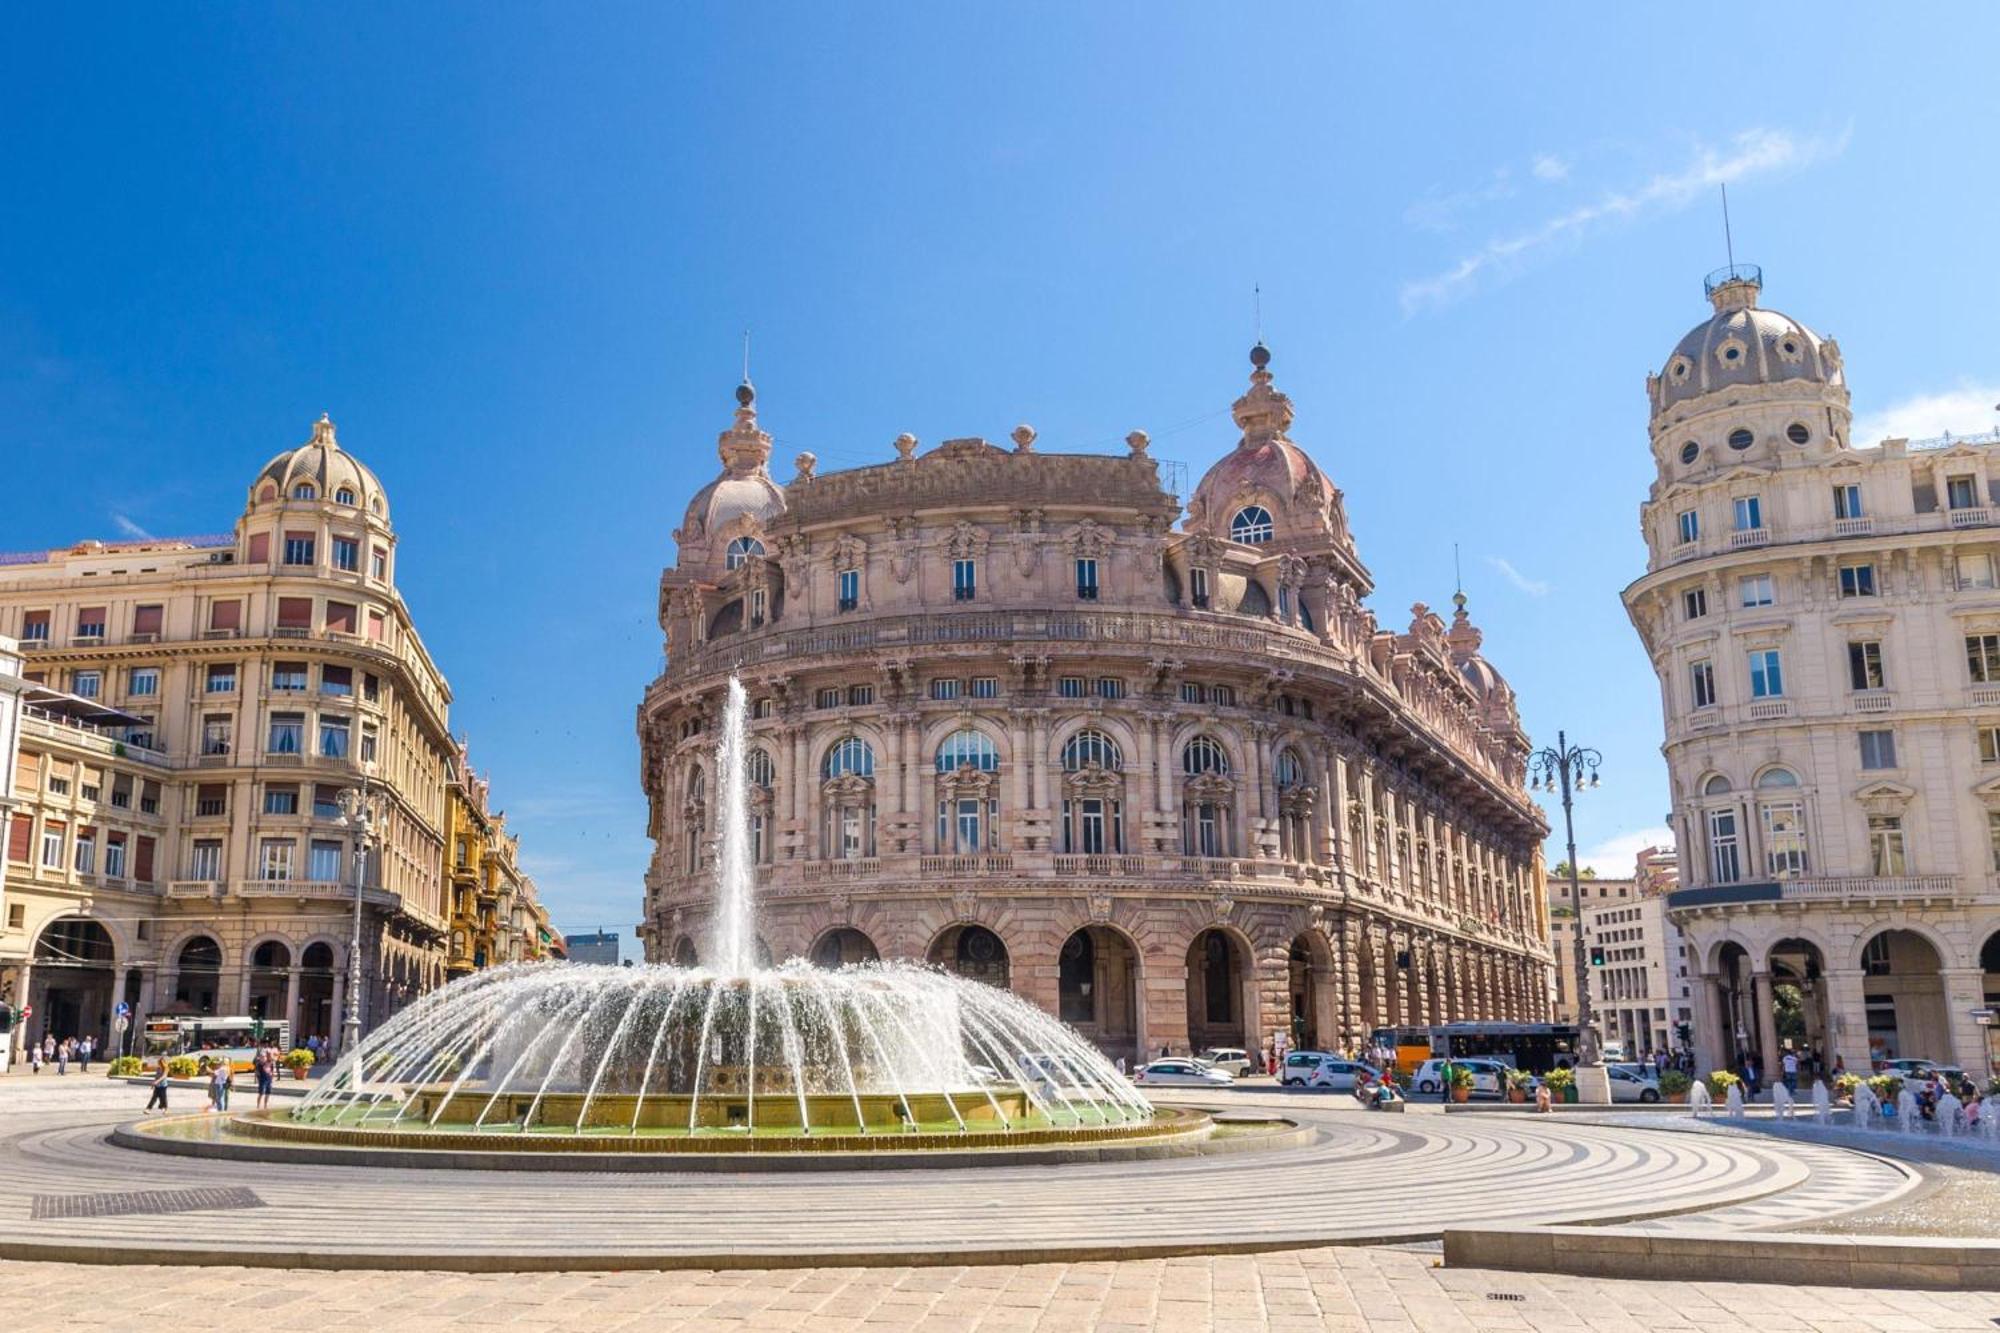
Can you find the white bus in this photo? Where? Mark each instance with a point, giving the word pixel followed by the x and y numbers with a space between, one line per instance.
pixel 235 1037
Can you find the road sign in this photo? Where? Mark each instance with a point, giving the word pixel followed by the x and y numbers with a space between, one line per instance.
pixel 122 1023
pixel 123 1010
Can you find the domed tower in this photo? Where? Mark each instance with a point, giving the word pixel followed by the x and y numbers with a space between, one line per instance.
pixel 1747 387
pixel 318 495
pixel 721 561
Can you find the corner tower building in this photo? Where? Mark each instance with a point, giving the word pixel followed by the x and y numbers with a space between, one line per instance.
pixel 1825 623
pixel 1174 786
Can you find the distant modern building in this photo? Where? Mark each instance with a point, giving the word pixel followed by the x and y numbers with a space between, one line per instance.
pixel 595 947
pixel 1634 953
pixel 1015 713
pixel 1824 619
pixel 1596 891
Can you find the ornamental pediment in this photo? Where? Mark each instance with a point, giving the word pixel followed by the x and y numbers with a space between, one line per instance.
pixel 1885 796
pixel 1988 791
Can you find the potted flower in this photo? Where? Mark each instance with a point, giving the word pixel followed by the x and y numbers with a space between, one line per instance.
pixel 182 1066
pixel 1561 1083
pixel 1674 1085
pixel 1844 1085
pixel 299 1060
pixel 1719 1082
pixel 1520 1083
pixel 1460 1083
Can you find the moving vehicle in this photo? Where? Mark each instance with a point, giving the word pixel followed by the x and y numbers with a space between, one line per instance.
pixel 237 1037
pixel 1912 1070
pixel 1489 1077
pixel 1317 1069
pixel 1182 1073
pixel 1230 1059
pixel 1535 1047
pixel 1633 1083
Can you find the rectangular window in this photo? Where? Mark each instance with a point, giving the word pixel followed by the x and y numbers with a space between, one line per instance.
pixel 1982 658
pixel 144 682
pixel 860 696
pixel 1086 580
pixel 850 589
pixel 296 615
pixel 1878 749
pixel 347 554
pixel 1993 837
pixel 274 858
pixel 1198 586
pixel 1190 692
pixel 763 708
pixel 288 733
pixel 90 623
pixel 114 857
pixel 90 791
pixel 1069 687
pixel 1885 846
pixel 148 619
pixel 1725 862
pixel 205 860
pixel 1756 590
pixel 1847 502
pixel 333 737
pixel 336 680
pixel 1961 492
pixel 1767 680
pixel 221 678
pixel 211 800
pixel 325 867
pixel 1701 679
pixel 1975 571
pixel 281 800
pixel 288 676
pixel 1857 580
pixel 1108 687
pixel 1688 524
pixel 371 686
pixel 1864 666
pixel 58 786
pixel 149 804
pixel 1694 603
pixel 367 743
pixel 87 684
pixel 52 846
pixel 215 735
pixel 1989 745
pixel 945 689
pixel 35 627
pixel 964 580
pixel 298 548
pixel 1785 839
pixel 1749 513
pixel 986 687
pixel 326 802
pixel 378 562
pixel 1222 694
pixel 340 617
pixel 829 697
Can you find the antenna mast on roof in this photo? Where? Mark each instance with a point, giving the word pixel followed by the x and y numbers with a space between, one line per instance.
pixel 1457 571
pixel 746 356
pixel 1728 241
pixel 1257 302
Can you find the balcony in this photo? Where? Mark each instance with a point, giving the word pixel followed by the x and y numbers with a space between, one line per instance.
pixel 1873 701
pixel 97 740
pixel 1749 537
pixel 194 888
pixel 1983 696
pixel 303 890
pixel 965 865
pixel 1853 527
pixel 1100 865
pixel 1764 710
pixel 1974 516
pixel 1820 889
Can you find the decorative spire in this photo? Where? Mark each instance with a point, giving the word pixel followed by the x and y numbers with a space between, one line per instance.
pixel 323 432
pixel 1464 637
pixel 1263 414
pixel 745 449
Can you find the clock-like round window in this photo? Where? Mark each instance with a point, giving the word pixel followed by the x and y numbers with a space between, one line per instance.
pixel 1741 438
pixel 1689 452
pixel 1797 432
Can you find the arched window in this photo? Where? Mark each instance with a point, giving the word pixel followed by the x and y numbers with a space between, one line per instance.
pixel 1716 786
pixel 697 786
pixel 1204 755
pixel 758 766
pixel 1091 747
pixel 741 550
pixel 850 757
pixel 344 495
pixel 967 748
pixel 304 491
pixel 1252 525
pixel 1777 777
pixel 1290 769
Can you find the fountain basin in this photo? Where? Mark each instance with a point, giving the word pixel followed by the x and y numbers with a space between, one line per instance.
pixel 437 1105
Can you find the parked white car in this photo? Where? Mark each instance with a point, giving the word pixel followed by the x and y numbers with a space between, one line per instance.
pixel 1633 1083
pixel 1489 1077
pixel 1183 1074
pixel 1229 1059
pixel 1315 1069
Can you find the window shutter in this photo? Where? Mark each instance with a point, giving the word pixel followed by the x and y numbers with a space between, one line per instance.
pixel 375 626
pixel 340 617
pixel 225 615
pixel 17 838
pixel 295 613
pixel 142 861
pixel 260 548
pixel 146 620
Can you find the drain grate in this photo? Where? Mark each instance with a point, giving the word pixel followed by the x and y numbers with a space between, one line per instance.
pixel 1505 1296
pixel 136 1202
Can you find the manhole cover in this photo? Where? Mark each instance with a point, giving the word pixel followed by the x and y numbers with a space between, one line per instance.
pixel 1505 1296
pixel 142 1201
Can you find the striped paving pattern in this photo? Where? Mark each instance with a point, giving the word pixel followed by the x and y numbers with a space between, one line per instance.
pixel 1366 1177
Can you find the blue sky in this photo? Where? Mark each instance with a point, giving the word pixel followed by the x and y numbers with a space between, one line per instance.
pixel 512 250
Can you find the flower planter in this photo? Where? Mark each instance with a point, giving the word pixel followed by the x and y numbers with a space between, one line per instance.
pixel 1517 1095
pixel 1678 1098
pixel 1569 1094
pixel 1461 1094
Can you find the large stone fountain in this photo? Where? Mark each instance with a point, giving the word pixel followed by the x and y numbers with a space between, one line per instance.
pixel 724 1057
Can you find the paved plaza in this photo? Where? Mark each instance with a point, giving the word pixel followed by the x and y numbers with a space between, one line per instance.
pixel 1369 1176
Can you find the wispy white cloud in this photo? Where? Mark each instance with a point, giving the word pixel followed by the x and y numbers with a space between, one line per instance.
pixel 1440 211
pixel 1755 152
pixel 1532 587
pixel 1615 857
pixel 1549 167
pixel 1965 410
pixel 129 528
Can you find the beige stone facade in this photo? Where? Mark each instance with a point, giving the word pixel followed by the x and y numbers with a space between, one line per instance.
pixel 1824 618
pixel 497 914
pixel 194 708
pixel 1171 783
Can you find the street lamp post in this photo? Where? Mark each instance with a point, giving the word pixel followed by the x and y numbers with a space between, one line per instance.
pixel 1571 769
pixel 357 814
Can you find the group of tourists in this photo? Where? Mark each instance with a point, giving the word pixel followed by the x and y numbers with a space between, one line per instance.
pixel 221 1075
pixel 1793 1066
pixel 49 1051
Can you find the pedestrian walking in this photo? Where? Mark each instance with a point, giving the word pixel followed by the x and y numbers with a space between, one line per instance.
pixel 34 1057
pixel 49 1049
pixel 159 1098
pixel 218 1086
pixel 1790 1065
pixel 62 1058
pixel 265 1068
pixel 83 1049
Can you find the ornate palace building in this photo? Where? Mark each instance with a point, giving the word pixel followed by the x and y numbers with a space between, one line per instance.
pixel 1172 785
pixel 497 914
pixel 192 712
pixel 1825 622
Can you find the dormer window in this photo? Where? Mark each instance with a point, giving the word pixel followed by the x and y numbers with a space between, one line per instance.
pixel 741 550
pixel 343 496
pixel 304 491
pixel 1251 526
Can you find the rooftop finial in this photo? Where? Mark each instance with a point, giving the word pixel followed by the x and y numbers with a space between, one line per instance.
pixel 1457 582
pixel 1260 355
pixel 746 393
pixel 323 431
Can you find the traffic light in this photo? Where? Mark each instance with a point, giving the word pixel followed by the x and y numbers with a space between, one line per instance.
pixel 1597 955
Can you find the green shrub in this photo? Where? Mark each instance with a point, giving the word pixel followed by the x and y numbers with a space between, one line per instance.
pixel 299 1058
pixel 1520 1078
pixel 1461 1077
pixel 1559 1079
pixel 125 1066
pixel 182 1066
pixel 1674 1082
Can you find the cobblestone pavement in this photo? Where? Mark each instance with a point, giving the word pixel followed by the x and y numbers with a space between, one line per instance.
pixel 1375 1289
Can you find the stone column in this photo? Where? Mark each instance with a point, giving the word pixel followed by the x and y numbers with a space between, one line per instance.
pixel 291 1012
pixel 1965 991
pixel 1165 1000
pixel 1767 1024
pixel 1420 977
pixel 1347 944
pixel 1847 1018
pixel 1340 853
